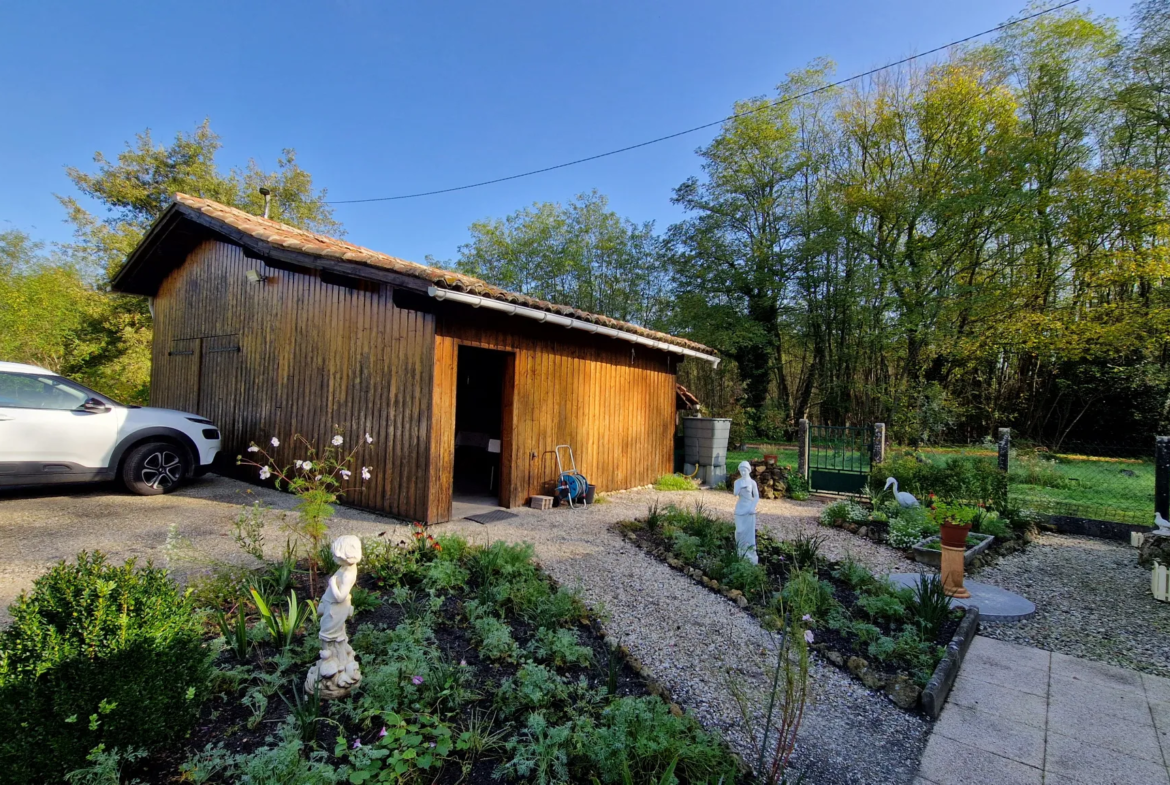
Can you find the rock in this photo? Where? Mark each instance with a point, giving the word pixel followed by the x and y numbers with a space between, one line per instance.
pixel 903 692
pixel 675 563
pixel 863 531
pixel 835 658
pixel 734 594
pixel 741 601
pixel 714 584
pixel 857 665
pixel 869 677
pixel 1155 549
pixel 851 528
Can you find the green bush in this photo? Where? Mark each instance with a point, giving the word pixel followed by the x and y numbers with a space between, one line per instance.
pixel 90 652
pixel 991 523
pixel 963 478
pixel 560 647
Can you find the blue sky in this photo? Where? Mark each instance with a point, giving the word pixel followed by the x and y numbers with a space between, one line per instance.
pixel 382 98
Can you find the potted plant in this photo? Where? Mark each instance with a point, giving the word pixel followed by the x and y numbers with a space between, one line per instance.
pixel 954 523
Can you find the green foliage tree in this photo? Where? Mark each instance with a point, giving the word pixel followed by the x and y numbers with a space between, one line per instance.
pixel 581 254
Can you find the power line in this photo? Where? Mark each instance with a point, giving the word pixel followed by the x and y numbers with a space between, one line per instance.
pixel 769 105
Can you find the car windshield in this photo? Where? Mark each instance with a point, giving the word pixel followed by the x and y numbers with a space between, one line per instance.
pixel 45 391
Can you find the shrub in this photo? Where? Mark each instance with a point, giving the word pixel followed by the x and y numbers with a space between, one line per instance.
pixel 638 739
pixel 685 545
pixel 675 482
pixel 751 579
pixel 884 607
pixel 798 488
pixel 495 638
pixel 90 652
pixel 989 522
pixel 534 687
pixel 844 510
pixel 804 594
pixel 560 647
pixel 930 606
pixel 854 574
pixel 910 526
pixel 963 478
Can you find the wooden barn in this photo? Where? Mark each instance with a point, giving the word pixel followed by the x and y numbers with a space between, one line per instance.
pixel 466 388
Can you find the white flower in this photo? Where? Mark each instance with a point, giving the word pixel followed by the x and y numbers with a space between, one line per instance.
pixel 806 617
pixel 369 439
pixel 345 473
pixel 307 465
pixel 365 472
pixel 298 463
pixel 337 440
pixel 265 472
pixel 808 636
pixel 253 448
pixel 318 478
pixel 275 442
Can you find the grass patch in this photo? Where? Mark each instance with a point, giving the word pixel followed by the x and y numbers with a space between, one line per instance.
pixel 675 482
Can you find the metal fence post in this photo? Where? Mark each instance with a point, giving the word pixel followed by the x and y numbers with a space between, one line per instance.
pixel 879 443
pixel 1162 476
pixel 802 448
pixel 1005 446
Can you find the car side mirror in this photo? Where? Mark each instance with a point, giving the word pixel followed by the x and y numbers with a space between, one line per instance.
pixel 94 406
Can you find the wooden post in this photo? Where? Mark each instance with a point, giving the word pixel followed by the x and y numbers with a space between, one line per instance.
pixel 1005 446
pixel 1162 476
pixel 802 448
pixel 879 443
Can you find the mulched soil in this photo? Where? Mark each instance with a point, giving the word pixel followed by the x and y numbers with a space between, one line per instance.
pixel 223 718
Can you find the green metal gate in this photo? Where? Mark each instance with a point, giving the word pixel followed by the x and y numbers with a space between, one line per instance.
pixel 839 457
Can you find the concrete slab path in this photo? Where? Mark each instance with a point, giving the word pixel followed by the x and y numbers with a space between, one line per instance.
pixel 1033 717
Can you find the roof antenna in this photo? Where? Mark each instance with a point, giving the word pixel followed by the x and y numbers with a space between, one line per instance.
pixel 267 194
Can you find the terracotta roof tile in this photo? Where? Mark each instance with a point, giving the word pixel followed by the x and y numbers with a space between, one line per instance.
pixel 330 247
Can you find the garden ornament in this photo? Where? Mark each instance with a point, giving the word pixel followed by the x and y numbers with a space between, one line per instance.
pixel 903 498
pixel 336 671
pixel 747 497
pixel 1163 525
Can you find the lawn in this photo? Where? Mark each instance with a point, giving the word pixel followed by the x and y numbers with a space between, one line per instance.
pixel 785 456
pixel 1084 486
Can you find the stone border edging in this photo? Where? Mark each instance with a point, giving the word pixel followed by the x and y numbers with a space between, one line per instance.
pixel 943 678
pixel 1090 527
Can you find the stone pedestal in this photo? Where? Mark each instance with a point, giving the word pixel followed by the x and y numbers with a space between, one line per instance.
pixel 952 572
pixel 336 672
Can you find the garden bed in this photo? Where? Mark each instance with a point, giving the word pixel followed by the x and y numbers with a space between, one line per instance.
pixel 891 640
pixel 476 667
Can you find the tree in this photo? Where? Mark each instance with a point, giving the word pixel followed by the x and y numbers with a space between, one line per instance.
pixel 581 254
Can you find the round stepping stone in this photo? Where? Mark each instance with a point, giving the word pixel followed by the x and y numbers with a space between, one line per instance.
pixel 994 603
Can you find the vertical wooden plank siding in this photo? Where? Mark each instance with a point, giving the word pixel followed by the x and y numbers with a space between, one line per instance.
pixel 311 356
pixel 616 409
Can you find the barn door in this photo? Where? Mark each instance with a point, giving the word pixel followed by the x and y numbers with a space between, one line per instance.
pixel 218 379
pixel 179 387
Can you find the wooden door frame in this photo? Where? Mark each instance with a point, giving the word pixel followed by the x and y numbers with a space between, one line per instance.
pixel 505 495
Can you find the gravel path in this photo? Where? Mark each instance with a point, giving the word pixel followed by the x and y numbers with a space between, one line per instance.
pixel 1092 601
pixel 690 639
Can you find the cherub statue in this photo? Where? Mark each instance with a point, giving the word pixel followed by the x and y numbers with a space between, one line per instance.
pixel 747 498
pixel 336 671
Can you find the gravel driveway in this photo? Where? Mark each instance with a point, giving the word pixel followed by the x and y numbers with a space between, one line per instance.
pixel 694 642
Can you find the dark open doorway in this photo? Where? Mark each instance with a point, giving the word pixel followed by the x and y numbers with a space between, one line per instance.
pixel 482 423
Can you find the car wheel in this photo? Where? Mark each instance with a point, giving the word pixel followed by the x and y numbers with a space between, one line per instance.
pixel 154 468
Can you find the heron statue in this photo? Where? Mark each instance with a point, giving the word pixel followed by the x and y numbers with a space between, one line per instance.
pixel 902 497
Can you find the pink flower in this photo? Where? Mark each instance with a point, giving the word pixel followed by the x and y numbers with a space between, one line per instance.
pixel 806 617
pixel 369 439
pixel 462 663
pixel 416 680
pixel 365 472
pixel 357 744
pixel 808 636
pixel 382 733
pixel 275 442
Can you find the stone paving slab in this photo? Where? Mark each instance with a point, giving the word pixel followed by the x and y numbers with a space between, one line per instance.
pixel 1023 715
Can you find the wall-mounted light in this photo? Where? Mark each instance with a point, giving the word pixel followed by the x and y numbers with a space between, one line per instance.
pixel 254 276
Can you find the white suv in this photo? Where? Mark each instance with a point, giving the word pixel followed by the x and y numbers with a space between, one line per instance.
pixel 53 430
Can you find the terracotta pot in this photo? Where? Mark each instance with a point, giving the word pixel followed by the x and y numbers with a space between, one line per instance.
pixel 954 536
pixel 770 459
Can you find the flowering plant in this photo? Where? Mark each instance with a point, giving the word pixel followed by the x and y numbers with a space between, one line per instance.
pixel 953 514
pixel 317 480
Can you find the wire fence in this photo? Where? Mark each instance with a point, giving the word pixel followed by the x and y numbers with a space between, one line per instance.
pixel 1103 482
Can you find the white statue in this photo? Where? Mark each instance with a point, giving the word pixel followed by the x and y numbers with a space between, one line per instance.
pixel 902 497
pixel 337 672
pixel 1162 526
pixel 747 497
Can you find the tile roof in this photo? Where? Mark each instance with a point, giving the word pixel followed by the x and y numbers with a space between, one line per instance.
pixel 294 239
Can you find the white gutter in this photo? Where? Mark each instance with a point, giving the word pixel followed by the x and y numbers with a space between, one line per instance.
pixel 475 301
